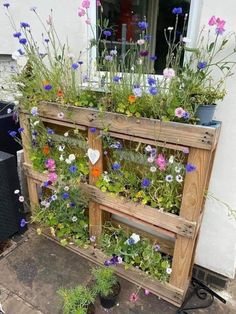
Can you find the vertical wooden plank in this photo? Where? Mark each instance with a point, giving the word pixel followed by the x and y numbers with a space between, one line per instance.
pixel 96 216
pixel 33 193
pixel 26 139
pixel 192 201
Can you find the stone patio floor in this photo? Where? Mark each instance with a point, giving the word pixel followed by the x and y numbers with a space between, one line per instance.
pixel 36 268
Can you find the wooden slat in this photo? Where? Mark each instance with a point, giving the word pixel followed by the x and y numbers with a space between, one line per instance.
pixel 168 132
pixel 33 194
pixel 63 123
pixel 165 291
pixel 193 194
pixel 25 136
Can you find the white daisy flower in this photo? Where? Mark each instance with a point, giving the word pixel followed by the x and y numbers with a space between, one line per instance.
pixel 66 188
pixel 16 191
pixel 153 169
pixel 66 134
pixel 74 218
pixel 169 178
pixel 177 169
pixel 179 178
pixel 21 199
pixel 60 115
pixel 168 270
pixel 71 157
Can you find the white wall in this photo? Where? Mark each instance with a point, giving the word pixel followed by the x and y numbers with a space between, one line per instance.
pixel 217 245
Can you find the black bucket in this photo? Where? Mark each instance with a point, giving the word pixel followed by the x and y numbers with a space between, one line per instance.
pixel 111 300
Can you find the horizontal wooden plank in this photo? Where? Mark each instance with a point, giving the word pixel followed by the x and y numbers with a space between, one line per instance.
pixel 163 290
pixel 146 214
pixel 168 132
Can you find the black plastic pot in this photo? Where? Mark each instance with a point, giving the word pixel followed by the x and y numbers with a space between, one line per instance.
pixel 91 309
pixel 110 300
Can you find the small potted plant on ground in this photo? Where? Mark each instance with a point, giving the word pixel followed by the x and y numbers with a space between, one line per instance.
pixel 78 300
pixel 106 286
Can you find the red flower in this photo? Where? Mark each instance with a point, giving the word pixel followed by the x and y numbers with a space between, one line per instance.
pixel 133 297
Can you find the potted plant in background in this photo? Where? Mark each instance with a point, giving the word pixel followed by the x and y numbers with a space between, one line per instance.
pixel 78 300
pixel 106 286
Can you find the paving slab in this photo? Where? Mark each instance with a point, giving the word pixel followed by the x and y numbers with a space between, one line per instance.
pixel 31 274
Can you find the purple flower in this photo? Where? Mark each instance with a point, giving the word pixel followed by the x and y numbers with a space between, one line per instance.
pixel 47 183
pixel 186 150
pixel 34 111
pixel 73 169
pixel 92 130
pixel 65 196
pixel 178 10
pixel 148 37
pixel 23 223
pixel 23 41
pixel 50 131
pixel 190 167
pixel 46 40
pixel 21 52
pixel 47 87
pixel 116 166
pixel 116 79
pixel 12 133
pixel 153 58
pixel 24 25
pixel 108 58
pixel 6 5
pixel 201 65
pixel 80 62
pixel 153 90
pixel 143 25
pixel 145 183
pixel 74 66
pixel 130 241
pixel 151 81
pixel 107 33
pixel 137 91
pixel 72 204
pixel 156 247
pixel 186 115
pixel 20 130
pixel 116 145
pixel 17 34
pixel 143 53
pixel 107 263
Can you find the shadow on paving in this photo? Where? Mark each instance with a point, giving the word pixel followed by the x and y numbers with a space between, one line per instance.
pixel 38 267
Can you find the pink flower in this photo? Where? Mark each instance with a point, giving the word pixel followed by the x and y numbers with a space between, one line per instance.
pixel 86 4
pixel 133 297
pixel 220 24
pixel 179 112
pixel 88 22
pixel 146 292
pixel 50 164
pixel 81 12
pixel 49 20
pixel 168 73
pixel 212 21
pixel 141 42
pixel 52 177
pixel 161 162
pixel 98 2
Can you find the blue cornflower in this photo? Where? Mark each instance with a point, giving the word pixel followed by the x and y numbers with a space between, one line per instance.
pixel 75 66
pixel 143 25
pixel 151 81
pixel 72 204
pixel 35 133
pixel 21 52
pixel 12 133
pixel 178 10
pixel 6 5
pixel 145 183
pixel 17 34
pixel 23 223
pixel 24 25
pixel 47 183
pixel 190 167
pixel 116 79
pixel 73 169
pixel 92 130
pixel 23 41
pixel 20 130
pixel 201 65
pixel 147 37
pixel 116 166
pixel 65 196
pixel 153 90
pixel 186 115
pixel 107 33
pixel 153 58
pixel 47 87
pixel 116 145
pixel 46 40
pixel 50 131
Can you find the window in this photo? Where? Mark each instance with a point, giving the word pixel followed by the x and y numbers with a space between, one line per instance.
pixel 124 15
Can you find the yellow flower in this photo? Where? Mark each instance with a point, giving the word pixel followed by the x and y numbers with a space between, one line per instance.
pixel 39 231
pixel 52 230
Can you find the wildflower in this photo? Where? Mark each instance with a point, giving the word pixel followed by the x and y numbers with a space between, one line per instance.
pixel 39 231
pixel 17 34
pixel 146 183
pixel 65 196
pixel 73 169
pixel 220 27
pixel 133 297
pixel 171 159
pixel 34 111
pixel 108 58
pixel 52 177
pixel 141 42
pixel 201 65
pixel 178 10
pixel 116 79
pixel 116 145
pixel 96 172
pixel 71 157
pixel 153 58
pixel 190 167
pixel 168 73
pixel 66 134
pixel 92 238
pixel 151 81
pixel 92 130
pixel 6 5
pixel 135 237
pixel 150 160
pixel 119 260
pixel 107 263
pixel 179 112
pixel 61 148
pixel 88 22
pixel 23 41
pixel 186 115
pixel 16 191
pixel 50 131
pixel 186 40
pixel 81 12
pixel 20 130
pixel 147 37
pixel 129 241
pixel 179 178
pixel 74 66
pixel 170 28
pixel 9 111
pixel 144 53
pixel 21 199
pixel 86 4
pixel 116 166
pixel 74 219
pixel 146 292
pixel 50 163
pixel 131 99
pixel 153 169
pixel 107 33
pixel 186 150
pixel 24 25
pixel 12 133
pixel 52 230
pixel 23 223
pixel 156 247
pixel 153 90
pixel 46 150
pixel 66 188
pixel 212 21
pixel 169 178
pixel 47 87
pixel 168 270
pixel 60 115
pixel 54 197
pixel 137 91
pixel 161 162
pixel 113 52
pixel 98 3
pixel 143 25
pixel 177 169
pixel 47 183
pixel 148 148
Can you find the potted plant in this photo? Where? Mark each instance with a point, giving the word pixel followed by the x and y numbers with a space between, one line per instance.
pixel 78 300
pixel 106 286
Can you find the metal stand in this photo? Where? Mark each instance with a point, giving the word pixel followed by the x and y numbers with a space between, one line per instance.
pixel 204 293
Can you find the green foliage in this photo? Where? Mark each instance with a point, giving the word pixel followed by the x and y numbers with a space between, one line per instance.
pixel 105 280
pixel 76 300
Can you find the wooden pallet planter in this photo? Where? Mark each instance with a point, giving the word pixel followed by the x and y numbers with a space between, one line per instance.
pixel 184 229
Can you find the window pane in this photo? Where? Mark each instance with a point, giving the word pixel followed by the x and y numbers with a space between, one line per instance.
pixel 124 15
